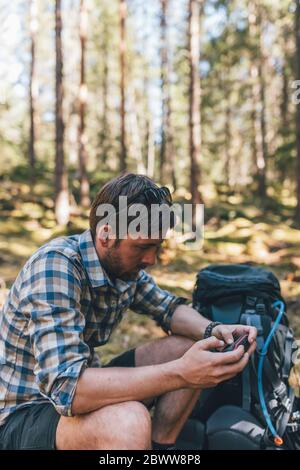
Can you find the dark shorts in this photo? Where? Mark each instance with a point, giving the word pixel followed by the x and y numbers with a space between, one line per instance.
pixel 34 426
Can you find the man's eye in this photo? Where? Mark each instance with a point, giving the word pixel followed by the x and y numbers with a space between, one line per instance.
pixel 145 247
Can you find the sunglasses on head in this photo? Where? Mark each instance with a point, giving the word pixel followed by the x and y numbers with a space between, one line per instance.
pixel 153 196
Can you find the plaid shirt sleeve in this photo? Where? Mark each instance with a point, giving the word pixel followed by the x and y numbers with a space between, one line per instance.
pixel 51 300
pixel 160 304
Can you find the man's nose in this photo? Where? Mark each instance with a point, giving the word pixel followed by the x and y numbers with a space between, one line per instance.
pixel 149 259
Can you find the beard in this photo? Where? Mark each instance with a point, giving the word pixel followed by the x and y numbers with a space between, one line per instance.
pixel 115 267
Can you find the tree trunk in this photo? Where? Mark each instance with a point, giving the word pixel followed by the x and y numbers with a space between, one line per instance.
pixel 297 32
pixel 167 156
pixel 149 144
pixel 228 139
pixel 82 139
pixel 135 148
pixel 194 98
pixel 148 134
pixel 33 85
pixel 150 147
pixel 123 155
pixel 226 84
pixel 284 100
pixel 62 209
pixel 259 101
pixel 104 141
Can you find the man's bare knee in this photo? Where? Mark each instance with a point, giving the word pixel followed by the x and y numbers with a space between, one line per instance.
pixel 162 350
pixel 136 422
pixel 131 425
pixel 121 426
pixel 180 344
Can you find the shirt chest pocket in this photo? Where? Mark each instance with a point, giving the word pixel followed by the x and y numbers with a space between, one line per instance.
pixel 118 310
pixel 108 310
pixel 120 306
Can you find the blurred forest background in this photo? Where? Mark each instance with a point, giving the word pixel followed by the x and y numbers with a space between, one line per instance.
pixel 197 94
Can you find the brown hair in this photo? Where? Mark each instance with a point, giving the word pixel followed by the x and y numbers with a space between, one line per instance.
pixel 127 184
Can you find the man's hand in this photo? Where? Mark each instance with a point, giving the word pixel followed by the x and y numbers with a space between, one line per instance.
pixel 201 368
pixel 224 332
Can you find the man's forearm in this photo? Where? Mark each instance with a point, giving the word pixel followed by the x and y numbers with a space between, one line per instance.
pixel 101 387
pixel 186 321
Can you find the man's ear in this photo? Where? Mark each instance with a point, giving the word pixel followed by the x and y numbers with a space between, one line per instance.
pixel 105 235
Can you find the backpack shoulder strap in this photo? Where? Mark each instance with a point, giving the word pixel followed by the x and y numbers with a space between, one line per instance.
pixel 252 319
pixel 285 416
pixel 246 389
pixel 287 353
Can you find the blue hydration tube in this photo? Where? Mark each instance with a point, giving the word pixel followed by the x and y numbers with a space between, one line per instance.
pixel 277 439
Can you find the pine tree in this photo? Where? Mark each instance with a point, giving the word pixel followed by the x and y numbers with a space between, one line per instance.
pixel 195 9
pixel 82 151
pixel 33 84
pixel 123 14
pixel 62 209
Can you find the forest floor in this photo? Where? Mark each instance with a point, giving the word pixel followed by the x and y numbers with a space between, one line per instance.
pixel 235 231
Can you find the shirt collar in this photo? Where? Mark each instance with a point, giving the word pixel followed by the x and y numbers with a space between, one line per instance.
pixel 96 274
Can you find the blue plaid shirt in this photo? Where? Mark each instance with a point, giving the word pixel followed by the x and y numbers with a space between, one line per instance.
pixel 61 306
